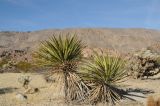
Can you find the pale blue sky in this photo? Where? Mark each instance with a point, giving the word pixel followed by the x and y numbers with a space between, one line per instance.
pixel 29 15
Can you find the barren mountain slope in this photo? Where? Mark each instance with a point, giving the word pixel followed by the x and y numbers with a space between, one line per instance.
pixel 124 40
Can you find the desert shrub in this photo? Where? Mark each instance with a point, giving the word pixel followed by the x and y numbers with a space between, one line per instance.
pixel 103 73
pixel 24 66
pixel 143 63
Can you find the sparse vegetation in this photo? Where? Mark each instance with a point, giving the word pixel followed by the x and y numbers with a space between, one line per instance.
pixel 103 74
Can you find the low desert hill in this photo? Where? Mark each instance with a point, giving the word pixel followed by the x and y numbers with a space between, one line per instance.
pixel 124 40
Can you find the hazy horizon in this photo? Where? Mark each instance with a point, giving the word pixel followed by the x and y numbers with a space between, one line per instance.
pixel 74 28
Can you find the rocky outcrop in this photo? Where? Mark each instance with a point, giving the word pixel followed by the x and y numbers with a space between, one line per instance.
pixel 143 63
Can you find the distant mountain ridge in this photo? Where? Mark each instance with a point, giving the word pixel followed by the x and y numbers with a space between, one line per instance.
pixel 124 40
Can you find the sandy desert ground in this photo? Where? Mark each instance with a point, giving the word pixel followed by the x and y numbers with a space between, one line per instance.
pixel 51 94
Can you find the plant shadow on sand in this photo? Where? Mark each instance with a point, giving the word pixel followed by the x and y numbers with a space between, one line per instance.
pixel 7 90
pixel 136 94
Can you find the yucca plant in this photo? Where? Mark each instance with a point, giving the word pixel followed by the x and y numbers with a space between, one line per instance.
pixel 63 54
pixel 103 74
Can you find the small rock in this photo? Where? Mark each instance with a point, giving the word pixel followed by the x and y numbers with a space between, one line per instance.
pixel 21 97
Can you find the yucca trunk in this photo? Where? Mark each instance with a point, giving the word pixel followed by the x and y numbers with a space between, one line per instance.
pixel 65 85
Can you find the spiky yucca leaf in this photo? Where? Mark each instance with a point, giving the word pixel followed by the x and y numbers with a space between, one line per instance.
pixel 103 74
pixel 64 54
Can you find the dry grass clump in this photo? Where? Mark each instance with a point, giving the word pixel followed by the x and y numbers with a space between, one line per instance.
pixel 152 102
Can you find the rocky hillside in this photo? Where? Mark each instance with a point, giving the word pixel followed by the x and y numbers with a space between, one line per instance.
pixel 124 40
